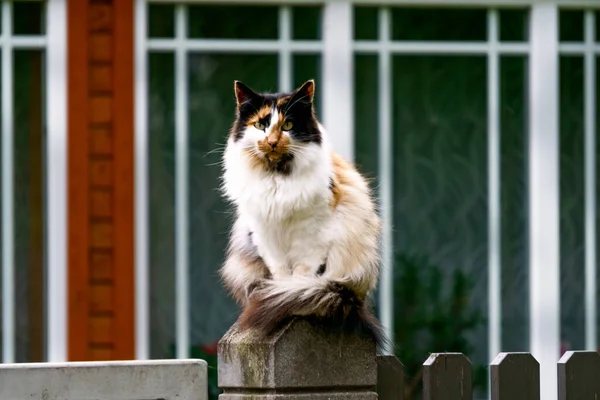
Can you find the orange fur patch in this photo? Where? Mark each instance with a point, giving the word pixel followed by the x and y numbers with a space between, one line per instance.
pixel 262 113
pixel 341 178
pixel 282 147
pixel 337 193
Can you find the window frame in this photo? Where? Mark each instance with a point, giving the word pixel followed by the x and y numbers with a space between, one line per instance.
pixel 338 51
pixel 53 43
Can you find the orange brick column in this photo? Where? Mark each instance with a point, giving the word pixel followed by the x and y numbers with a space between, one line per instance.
pixel 101 179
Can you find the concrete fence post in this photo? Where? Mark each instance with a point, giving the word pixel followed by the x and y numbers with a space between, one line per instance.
pixel 300 361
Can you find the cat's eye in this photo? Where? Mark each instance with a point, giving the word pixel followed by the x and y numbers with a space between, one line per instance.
pixel 287 126
pixel 259 125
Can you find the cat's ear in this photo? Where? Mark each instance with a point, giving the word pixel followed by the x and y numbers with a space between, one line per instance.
pixel 243 93
pixel 306 91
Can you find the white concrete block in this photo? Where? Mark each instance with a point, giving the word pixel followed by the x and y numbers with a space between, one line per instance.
pixel 111 380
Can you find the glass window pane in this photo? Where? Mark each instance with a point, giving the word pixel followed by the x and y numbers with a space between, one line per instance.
pixel 514 25
pixel 571 25
pixel 366 126
pixel 211 114
pixel 233 22
pixel 161 124
pixel 161 20
pixel 306 23
pixel 572 210
pixel 308 66
pixel 513 203
pixel 440 209
pixel 29 216
pixel 443 24
pixel 29 18
pixel 366 121
pixel 366 25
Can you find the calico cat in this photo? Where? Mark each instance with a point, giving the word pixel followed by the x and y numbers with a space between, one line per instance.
pixel 306 238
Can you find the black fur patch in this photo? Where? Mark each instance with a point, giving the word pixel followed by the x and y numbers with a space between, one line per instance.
pixel 283 166
pixel 296 106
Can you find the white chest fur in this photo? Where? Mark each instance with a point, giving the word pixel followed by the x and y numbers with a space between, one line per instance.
pixel 289 215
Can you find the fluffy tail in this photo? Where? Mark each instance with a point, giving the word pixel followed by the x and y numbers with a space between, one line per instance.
pixel 332 304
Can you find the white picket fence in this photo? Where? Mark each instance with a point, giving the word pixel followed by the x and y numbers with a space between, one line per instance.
pixel 113 380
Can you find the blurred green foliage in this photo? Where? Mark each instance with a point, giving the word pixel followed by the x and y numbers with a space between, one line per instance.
pixel 432 314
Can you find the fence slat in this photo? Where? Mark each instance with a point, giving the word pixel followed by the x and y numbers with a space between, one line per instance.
pixel 579 375
pixel 390 378
pixel 447 376
pixel 515 376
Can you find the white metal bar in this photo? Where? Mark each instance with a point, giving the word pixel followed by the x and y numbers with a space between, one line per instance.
pixel 544 243
pixel 360 46
pixel 591 339
pixel 385 150
pixel 312 47
pixel 24 42
pixel 285 55
pixel 494 222
pixel 438 48
pixel 234 46
pixel 181 188
pixel 579 48
pixel 8 244
pixel 338 76
pixel 418 3
pixel 56 186
pixel 142 228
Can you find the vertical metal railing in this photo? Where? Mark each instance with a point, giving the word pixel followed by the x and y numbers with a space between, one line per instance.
pixel 8 245
pixel 543 194
pixel 494 223
pixel 591 339
pixel 337 79
pixel 285 55
pixel 386 167
pixel 142 199
pixel 56 186
pixel 182 318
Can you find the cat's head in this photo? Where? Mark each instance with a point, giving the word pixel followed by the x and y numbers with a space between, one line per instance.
pixel 274 128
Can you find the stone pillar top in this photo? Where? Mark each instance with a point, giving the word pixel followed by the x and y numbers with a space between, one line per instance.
pixel 300 356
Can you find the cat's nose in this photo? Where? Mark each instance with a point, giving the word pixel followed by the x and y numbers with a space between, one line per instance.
pixel 273 142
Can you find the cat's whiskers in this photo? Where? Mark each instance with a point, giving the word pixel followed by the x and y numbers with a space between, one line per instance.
pixel 213 164
pixel 298 150
pixel 220 148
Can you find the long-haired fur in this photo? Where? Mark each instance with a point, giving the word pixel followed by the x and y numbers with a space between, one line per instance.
pixel 334 305
pixel 306 241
